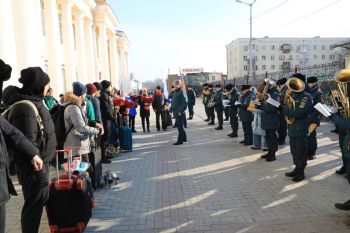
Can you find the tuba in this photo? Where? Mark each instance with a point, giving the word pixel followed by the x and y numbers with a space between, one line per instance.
pixel 340 96
pixel 294 85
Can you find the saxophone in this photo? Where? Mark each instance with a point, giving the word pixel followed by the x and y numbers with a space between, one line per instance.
pixel 294 85
pixel 211 102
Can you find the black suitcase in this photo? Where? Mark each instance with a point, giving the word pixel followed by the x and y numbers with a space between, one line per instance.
pixel 69 208
pixel 95 160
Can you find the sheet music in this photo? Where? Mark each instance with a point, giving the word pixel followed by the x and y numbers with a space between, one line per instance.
pixel 323 109
pixel 273 102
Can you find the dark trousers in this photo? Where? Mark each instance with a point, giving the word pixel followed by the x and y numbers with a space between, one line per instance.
pixel 271 140
pixel 207 112
pixel 312 143
pixel 248 131
pixel 36 194
pixel 211 114
pixel 143 119
pixel 160 116
pixel 282 130
pixel 106 137
pixel 342 136
pixel 180 127
pixel 220 115
pixel 2 218
pixel 132 122
pixel 233 119
pixel 298 148
pixel 227 113
pixel 190 110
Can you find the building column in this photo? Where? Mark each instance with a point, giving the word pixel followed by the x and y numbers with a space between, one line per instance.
pixel 53 47
pixel 90 55
pixel 7 39
pixel 112 56
pixel 96 58
pixel 104 52
pixel 122 68
pixel 68 43
pixel 28 32
pixel 80 44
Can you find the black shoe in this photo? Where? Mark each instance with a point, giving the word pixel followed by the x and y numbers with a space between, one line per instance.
pixel 109 157
pixel 219 128
pixel 106 161
pixel 341 171
pixel 264 156
pixel 211 123
pixel 265 149
pixel 270 158
pixel 281 143
pixel 343 206
pixel 134 131
pixel 189 118
pixel 177 143
pixel 248 144
pixel 229 135
pixel 311 157
pixel 291 174
pixel 158 129
pixel 299 176
pixel 226 119
pixel 234 136
pixel 242 142
pixel 255 148
pixel 207 120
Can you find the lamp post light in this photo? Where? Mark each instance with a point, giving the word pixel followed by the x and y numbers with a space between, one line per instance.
pixel 250 71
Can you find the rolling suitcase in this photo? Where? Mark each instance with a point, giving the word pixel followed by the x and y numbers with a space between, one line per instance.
pixel 70 204
pixel 125 138
pixel 95 160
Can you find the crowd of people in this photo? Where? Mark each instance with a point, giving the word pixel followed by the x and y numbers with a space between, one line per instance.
pixel 275 109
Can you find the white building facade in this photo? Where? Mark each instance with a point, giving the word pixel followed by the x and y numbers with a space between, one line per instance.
pixel 280 54
pixel 72 40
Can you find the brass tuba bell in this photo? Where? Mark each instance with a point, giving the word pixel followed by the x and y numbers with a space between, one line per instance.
pixel 294 85
pixel 340 97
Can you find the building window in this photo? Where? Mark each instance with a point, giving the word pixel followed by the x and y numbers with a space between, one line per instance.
pixel 60 26
pixel 212 78
pixel 281 57
pixel 245 48
pixel 255 67
pixel 290 57
pixel 263 67
pixel 255 58
pixel 245 58
pixel 315 47
pixel 42 9
pixel 272 57
pixel 315 57
pixel 245 68
pixel 323 47
pixel 331 57
pixel 323 57
pixel 273 47
pixel 263 57
pixel 272 67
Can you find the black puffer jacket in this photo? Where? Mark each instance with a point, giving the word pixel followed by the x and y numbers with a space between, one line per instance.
pixel 106 105
pixel 14 139
pixel 23 118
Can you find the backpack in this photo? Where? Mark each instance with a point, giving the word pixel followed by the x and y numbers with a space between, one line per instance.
pixel 57 115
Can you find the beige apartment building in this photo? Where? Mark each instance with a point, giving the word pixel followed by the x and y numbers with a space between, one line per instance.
pixel 72 40
pixel 280 54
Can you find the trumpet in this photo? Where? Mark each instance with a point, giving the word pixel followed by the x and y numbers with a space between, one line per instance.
pixel 340 96
pixel 294 85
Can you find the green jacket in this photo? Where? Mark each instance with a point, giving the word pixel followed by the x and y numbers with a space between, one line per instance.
pixel 90 113
pixel 178 103
pixel 303 107
pixel 50 102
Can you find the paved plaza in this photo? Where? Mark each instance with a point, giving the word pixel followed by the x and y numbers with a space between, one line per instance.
pixel 214 184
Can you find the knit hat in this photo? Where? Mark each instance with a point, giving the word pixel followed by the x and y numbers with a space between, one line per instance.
pixel 229 87
pixel 205 84
pixel 245 87
pixel 79 89
pixel 312 79
pixel 91 89
pixel 5 71
pixel 218 86
pixel 158 88
pixel 98 86
pixel 299 76
pixel 105 84
pixel 34 80
pixel 210 85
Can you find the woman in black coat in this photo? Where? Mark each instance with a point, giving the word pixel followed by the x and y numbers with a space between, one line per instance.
pixel 12 138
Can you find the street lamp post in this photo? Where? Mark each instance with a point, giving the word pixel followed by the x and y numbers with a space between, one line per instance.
pixel 250 71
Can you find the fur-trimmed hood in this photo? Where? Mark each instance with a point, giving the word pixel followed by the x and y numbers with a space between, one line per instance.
pixel 69 97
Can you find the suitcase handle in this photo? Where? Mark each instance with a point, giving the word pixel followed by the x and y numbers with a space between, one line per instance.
pixel 69 154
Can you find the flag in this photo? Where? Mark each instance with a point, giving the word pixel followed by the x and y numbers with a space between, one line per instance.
pixel 165 89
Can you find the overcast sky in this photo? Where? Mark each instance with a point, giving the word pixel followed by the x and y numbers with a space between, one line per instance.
pixel 168 34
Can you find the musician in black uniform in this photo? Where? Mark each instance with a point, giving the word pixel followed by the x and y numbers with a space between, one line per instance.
pixel 246 116
pixel 219 107
pixel 210 105
pixel 315 116
pixel 205 100
pixel 282 130
pixel 234 97
pixel 270 119
pixel 297 108
pixel 191 96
